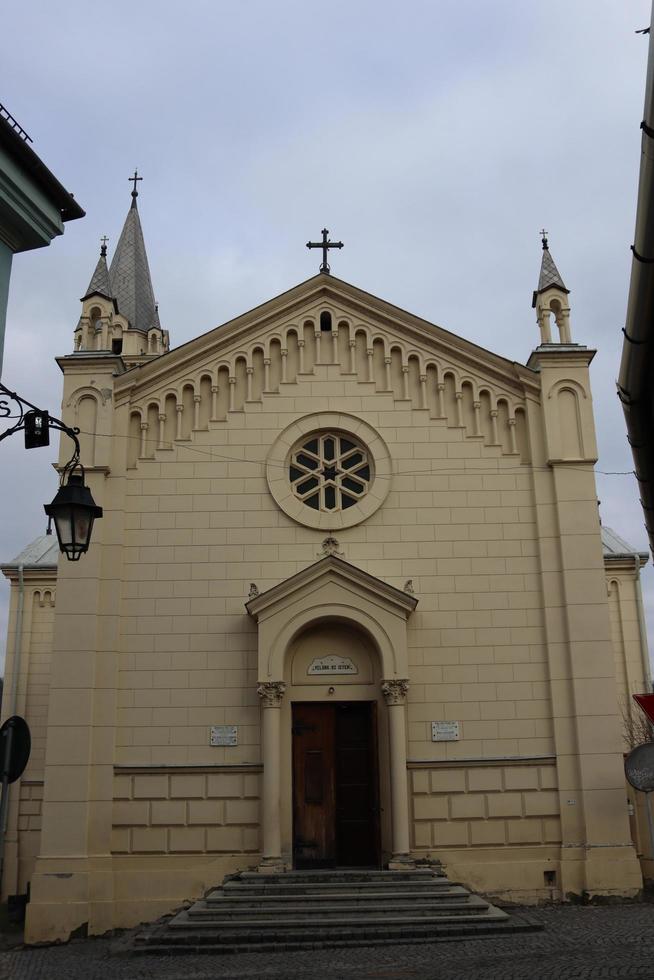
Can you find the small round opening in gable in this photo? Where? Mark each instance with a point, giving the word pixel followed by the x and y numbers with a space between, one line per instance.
pixel 329 471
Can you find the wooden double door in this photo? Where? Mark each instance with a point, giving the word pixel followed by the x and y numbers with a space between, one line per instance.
pixel 335 785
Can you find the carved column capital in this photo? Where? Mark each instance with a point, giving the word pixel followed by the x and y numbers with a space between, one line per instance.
pixel 271 693
pixel 395 691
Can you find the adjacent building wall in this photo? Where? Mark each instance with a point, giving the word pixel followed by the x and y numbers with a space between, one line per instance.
pixel 32 696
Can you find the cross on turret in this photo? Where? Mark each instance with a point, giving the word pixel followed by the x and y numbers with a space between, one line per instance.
pixel 135 179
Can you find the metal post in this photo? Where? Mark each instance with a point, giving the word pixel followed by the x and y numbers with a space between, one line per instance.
pixel 650 824
pixel 4 797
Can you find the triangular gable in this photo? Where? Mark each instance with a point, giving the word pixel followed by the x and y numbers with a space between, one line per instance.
pixel 402 603
pixel 332 589
pixel 305 300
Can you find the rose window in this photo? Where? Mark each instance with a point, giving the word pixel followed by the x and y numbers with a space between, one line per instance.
pixel 330 471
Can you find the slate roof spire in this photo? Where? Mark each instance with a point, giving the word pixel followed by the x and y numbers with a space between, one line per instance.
pixel 549 274
pixel 100 283
pixel 549 300
pixel 129 272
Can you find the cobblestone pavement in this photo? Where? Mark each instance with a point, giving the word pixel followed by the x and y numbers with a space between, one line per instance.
pixel 579 943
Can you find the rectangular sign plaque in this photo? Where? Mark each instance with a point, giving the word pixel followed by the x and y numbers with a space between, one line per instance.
pixel 223 735
pixel 445 731
pixel 332 665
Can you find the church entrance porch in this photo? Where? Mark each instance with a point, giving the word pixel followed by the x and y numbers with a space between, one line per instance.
pixel 335 785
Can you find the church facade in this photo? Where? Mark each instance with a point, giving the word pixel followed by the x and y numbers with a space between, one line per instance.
pixel 349 604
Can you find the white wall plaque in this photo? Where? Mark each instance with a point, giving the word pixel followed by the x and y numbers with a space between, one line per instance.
pixel 445 731
pixel 223 735
pixel 332 664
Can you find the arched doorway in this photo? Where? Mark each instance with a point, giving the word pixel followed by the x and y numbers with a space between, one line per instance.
pixel 332 606
pixel 332 695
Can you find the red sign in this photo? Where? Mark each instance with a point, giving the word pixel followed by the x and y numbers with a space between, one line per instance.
pixel 646 702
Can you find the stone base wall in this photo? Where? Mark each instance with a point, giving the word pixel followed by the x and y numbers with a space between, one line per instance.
pixel 200 811
pixel 494 824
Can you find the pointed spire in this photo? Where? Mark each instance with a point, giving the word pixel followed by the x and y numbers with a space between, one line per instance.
pixel 100 283
pixel 129 272
pixel 549 274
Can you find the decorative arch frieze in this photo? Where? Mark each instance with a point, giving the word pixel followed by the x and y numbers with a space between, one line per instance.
pixel 252 372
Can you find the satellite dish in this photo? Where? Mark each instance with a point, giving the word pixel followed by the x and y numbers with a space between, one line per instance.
pixel 639 767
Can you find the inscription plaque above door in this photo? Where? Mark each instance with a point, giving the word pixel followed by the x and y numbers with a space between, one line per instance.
pixel 332 664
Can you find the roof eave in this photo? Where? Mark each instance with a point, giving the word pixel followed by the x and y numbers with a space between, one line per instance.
pixel 634 380
pixel 546 289
pixel 25 156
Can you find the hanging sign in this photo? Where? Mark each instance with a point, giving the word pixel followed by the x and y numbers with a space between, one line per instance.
pixel 332 664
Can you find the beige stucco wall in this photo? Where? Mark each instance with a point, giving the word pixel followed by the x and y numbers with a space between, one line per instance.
pixel 487 505
pixel 32 695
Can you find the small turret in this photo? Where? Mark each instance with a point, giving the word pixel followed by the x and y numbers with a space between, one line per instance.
pixel 551 299
pixel 99 284
pixel 119 312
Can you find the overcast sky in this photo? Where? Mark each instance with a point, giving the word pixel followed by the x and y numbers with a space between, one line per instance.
pixel 434 137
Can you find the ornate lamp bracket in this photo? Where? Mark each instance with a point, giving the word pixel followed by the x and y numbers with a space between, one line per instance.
pixel 36 424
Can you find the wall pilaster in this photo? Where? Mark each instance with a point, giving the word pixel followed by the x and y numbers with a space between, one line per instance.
pixel 597 853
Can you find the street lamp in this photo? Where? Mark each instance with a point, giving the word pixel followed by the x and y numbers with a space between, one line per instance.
pixel 73 509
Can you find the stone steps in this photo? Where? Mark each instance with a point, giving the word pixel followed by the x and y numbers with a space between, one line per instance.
pixel 202 916
pixel 301 910
pixel 215 900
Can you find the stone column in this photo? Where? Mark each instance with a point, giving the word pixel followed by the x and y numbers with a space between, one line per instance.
pixel 405 382
pixel 423 391
pixel 162 430
pixel 387 374
pixel 144 438
pixel 477 410
pixel 271 694
pixel 369 354
pixel 440 389
pixel 395 692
